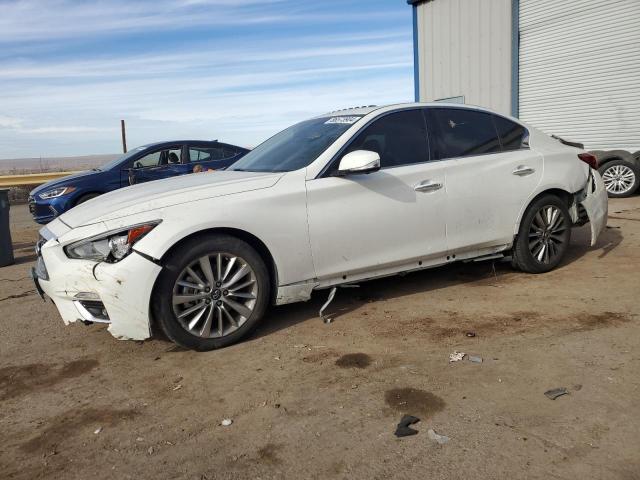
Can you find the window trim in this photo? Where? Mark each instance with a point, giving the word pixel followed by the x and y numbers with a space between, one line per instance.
pixel 526 130
pixel 325 172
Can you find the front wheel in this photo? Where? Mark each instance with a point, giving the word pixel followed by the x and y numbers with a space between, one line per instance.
pixel 212 292
pixel 544 235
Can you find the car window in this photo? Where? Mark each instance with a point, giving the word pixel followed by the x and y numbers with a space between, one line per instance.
pixel 399 138
pixel 459 132
pixel 205 154
pixel 169 156
pixel 512 135
pixel 150 160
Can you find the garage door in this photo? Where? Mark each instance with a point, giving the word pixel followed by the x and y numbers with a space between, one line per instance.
pixel 580 70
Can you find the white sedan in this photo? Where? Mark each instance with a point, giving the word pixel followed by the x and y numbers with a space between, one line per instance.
pixel 341 198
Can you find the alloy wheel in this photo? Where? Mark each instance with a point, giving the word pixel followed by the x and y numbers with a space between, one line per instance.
pixel 215 295
pixel 618 179
pixel 546 234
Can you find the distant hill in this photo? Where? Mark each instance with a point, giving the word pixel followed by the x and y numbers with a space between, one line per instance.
pixel 52 164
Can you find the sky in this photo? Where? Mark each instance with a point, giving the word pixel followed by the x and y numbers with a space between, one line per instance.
pixel 233 70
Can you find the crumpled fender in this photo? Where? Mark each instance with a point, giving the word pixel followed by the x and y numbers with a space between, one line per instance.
pixel 596 204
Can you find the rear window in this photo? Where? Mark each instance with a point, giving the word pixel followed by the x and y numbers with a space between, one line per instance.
pixel 460 132
pixel 512 135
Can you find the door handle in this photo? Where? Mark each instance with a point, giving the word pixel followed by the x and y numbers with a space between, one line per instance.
pixel 522 170
pixel 427 186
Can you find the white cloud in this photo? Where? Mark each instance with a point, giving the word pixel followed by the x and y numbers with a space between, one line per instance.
pixel 59 99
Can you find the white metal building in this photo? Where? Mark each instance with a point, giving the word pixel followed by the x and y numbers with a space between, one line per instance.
pixel 568 67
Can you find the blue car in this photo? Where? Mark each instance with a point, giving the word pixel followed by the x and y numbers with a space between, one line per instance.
pixel 149 162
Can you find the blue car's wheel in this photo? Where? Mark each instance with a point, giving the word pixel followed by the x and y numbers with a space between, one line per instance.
pixel 86 197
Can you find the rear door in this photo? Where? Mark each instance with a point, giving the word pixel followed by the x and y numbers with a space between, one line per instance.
pixel 492 175
pixel 362 222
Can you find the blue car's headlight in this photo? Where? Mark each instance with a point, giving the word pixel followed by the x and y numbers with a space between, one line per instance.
pixel 110 246
pixel 56 192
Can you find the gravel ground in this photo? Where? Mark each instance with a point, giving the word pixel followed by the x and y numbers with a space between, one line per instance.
pixel 310 400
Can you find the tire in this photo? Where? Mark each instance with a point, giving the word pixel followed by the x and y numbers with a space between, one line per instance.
pixel 538 248
pixel 86 197
pixel 205 294
pixel 603 156
pixel 621 177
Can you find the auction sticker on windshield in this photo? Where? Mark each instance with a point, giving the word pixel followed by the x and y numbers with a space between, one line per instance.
pixel 347 120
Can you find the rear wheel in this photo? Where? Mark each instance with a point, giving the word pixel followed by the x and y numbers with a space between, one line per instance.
pixel 212 292
pixel 544 235
pixel 620 177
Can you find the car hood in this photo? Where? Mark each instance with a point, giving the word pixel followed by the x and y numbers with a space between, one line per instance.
pixel 69 180
pixel 165 193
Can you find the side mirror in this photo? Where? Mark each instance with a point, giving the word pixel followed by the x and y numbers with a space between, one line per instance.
pixel 359 161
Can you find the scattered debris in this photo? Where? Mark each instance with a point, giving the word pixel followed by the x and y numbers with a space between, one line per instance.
pixel 403 429
pixel 556 392
pixel 470 334
pixel 97 430
pixel 139 439
pixel 177 387
pixel 226 422
pixel 440 439
pixel 328 318
pixel 577 387
pixel 456 356
pixel 150 451
pixel 474 358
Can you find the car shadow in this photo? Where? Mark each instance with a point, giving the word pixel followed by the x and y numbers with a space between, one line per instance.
pixel 488 273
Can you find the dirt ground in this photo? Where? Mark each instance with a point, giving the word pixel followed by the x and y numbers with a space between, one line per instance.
pixel 310 400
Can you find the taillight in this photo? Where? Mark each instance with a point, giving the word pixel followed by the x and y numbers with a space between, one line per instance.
pixel 589 159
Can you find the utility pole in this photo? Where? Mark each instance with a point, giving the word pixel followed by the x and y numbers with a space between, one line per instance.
pixel 124 136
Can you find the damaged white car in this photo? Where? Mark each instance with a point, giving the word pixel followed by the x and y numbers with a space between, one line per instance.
pixel 344 197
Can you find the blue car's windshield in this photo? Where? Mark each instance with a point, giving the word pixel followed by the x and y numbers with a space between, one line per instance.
pixel 295 147
pixel 122 158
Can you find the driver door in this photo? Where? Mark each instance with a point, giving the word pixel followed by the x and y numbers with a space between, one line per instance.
pixel 155 165
pixel 383 219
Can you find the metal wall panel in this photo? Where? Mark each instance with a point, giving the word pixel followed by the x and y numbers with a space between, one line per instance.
pixel 464 49
pixel 580 70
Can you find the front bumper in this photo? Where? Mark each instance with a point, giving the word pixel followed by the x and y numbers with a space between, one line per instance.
pixel 78 287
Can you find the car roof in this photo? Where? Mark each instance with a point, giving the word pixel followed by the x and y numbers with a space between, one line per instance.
pixel 398 106
pixel 171 142
pixel 401 106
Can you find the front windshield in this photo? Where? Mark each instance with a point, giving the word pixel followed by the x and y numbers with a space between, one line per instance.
pixel 122 158
pixel 295 147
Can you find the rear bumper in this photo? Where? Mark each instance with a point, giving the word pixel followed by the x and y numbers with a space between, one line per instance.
pixel 118 294
pixel 596 204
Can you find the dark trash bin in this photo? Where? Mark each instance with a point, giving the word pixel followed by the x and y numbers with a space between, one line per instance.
pixel 6 248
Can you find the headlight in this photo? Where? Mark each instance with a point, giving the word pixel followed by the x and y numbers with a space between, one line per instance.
pixel 56 192
pixel 111 246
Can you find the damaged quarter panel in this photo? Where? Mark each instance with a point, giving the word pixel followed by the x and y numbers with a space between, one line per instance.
pixel 560 170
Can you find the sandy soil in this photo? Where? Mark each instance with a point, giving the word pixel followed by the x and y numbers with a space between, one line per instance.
pixel 310 400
